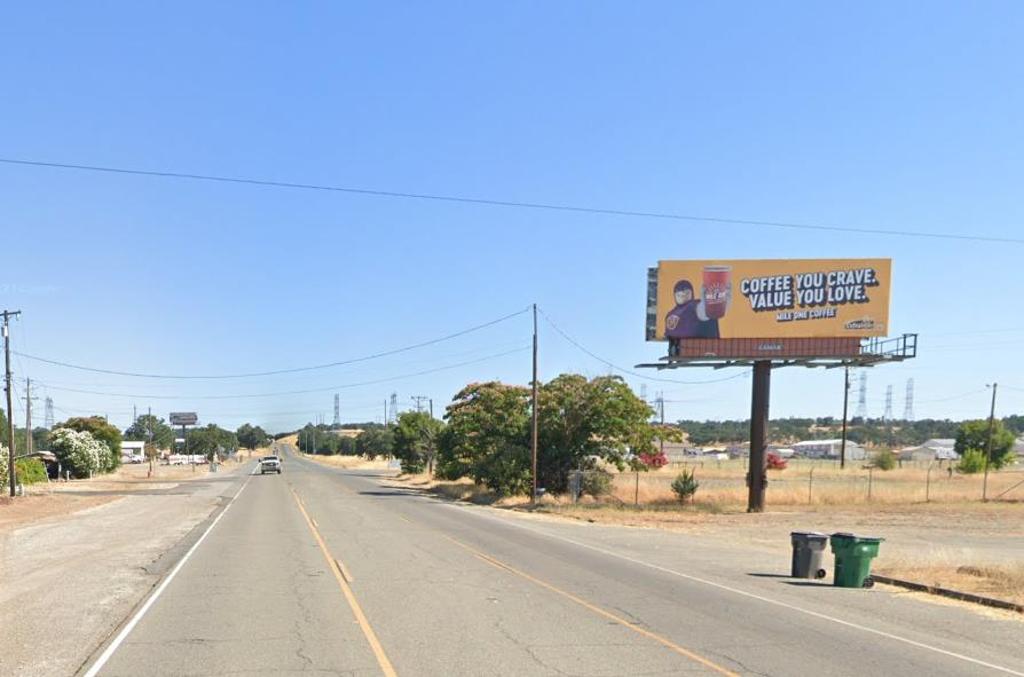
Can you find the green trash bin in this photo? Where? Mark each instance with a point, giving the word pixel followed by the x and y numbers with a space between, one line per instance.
pixel 853 559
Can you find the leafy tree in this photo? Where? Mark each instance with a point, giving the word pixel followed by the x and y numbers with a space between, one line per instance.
pixel 374 442
pixel 1014 424
pixel 347 446
pixel 416 438
pixel 318 439
pixel 488 437
pixel 975 435
pixel 80 452
pixel 252 437
pixel 146 425
pixel 206 441
pixel 99 428
pixel 583 422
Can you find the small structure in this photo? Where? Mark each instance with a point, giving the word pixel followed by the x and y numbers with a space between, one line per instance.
pixel 133 451
pixel 939 449
pixel 828 449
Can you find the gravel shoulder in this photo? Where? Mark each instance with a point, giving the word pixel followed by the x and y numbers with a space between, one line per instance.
pixel 76 559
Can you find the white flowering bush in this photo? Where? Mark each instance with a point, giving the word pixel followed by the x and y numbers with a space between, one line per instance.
pixel 3 469
pixel 79 452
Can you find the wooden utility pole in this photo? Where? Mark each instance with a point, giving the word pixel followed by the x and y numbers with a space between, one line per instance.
pixel 8 314
pixel 533 399
pixel 988 443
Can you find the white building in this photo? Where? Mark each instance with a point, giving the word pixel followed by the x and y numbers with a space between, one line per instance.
pixel 939 449
pixel 828 449
pixel 131 450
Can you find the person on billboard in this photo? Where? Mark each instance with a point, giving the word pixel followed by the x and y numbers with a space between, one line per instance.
pixel 689 319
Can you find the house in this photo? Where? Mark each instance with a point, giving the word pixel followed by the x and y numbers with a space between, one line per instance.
pixel 828 449
pixel 939 449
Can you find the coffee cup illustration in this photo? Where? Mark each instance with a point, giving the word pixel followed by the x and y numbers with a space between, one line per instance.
pixel 717 290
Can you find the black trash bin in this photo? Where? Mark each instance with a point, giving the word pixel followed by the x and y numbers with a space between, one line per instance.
pixel 808 549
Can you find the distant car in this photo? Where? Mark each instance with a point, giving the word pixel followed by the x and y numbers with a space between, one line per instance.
pixel 270 464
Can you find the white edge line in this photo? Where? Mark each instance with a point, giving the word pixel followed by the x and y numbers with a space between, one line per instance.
pixel 112 647
pixel 752 595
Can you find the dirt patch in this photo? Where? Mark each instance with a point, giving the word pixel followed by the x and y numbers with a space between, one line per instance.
pixel 58 499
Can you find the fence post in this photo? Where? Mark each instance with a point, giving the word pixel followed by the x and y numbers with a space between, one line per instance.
pixel 870 473
pixel 810 486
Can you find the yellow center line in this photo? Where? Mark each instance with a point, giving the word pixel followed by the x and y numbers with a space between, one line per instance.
pixel 357 611
pixel 595 609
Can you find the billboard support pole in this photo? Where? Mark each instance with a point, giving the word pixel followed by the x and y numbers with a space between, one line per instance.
pixel 757 478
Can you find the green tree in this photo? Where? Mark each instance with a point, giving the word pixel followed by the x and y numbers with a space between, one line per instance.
pixel 583 422
pixel 252 437
pixel 416 437
pixel 147 425
pixel 974 435
pixel 488 437
pixel 375 442
pixel 99 428
pixel 208 440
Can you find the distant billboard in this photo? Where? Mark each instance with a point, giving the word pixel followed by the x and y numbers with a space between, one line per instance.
pixel 184 418
pixel 768 298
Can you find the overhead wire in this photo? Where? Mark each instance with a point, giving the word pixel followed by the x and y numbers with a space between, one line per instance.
pixel 297 392
pixel 673 216
pixel 623 370
pixel 275 372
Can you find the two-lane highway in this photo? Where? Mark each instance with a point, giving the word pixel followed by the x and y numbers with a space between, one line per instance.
pixel 338 572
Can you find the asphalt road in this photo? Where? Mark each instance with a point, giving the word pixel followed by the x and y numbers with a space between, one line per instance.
pixel 336 572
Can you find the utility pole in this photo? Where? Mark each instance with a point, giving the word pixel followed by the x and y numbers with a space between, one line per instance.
pixel 988 444
pixel 661 410
pixel 757 477
pixel 846 403
pixel 533 399
pixel 8 314
pixel 431 407
pixel 419 400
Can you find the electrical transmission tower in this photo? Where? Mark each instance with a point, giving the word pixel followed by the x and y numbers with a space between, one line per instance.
pixel 643 392
pixel 888 403
pixel 337 409
pixel 862 397
pixel 908 404
pixel 393 409
pixel 48 413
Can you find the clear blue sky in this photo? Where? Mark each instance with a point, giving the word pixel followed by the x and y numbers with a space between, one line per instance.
pixel 873 115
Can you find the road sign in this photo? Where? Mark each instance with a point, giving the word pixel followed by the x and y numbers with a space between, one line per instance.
pixel 184 418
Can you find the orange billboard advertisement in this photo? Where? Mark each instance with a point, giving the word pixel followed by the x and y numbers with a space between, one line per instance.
pixel 766 298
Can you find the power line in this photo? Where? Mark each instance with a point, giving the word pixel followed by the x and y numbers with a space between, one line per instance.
pixel 275 372
pixel 611 365
pixel 504 203
pixel 295 392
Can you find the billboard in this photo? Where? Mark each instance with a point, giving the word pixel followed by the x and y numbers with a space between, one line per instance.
pixel 768 298
pixel 183 418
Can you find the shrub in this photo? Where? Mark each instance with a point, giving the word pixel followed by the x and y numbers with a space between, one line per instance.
pixel 685 486
pixel 596 483
pixel 885 460
pixel 973 461
pixel 3 469
pixel 30 470
pixel 79 452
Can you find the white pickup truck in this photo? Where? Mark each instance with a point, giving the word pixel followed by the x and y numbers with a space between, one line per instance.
pixel 270 464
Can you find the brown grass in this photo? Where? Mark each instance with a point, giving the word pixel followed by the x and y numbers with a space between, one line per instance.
pixel 1002 581
pixel 347 462
pixel 723 484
